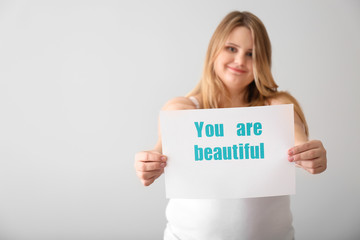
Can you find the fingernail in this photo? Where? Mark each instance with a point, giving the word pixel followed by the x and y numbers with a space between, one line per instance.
pixel 290 158
pixel 290 152
pixel 163 158
pixel 162 165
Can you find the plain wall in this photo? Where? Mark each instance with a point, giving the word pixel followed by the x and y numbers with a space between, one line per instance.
pixel 82 83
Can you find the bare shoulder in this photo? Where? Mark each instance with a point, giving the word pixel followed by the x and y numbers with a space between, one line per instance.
pixel 281 98
pixel 301 129
pixel 179 103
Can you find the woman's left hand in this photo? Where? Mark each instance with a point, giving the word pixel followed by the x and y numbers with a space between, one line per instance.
pixel 310 156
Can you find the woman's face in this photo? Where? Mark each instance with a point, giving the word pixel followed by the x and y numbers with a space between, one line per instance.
pixel 234 64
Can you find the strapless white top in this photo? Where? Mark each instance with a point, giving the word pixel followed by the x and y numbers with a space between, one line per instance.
pixel 266 218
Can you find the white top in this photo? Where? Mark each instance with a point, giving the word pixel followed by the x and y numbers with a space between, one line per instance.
pixel 195 101
pixel 267 218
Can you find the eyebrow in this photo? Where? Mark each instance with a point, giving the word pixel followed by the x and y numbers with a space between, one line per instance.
pixel 235 45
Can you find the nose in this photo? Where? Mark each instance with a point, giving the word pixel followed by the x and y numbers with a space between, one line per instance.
pixel 240 59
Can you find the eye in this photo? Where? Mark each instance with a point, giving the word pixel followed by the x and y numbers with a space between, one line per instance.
pixel 249 54
pixel 231 49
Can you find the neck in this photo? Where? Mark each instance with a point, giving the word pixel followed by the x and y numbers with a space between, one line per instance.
pixel 236 100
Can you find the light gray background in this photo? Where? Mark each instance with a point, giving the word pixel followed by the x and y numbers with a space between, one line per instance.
pixel 81 85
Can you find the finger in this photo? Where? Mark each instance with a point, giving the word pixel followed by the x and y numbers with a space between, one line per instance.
pixel 298 165
pixel 149 166
pixel 304 147
pixel 148 182
pixel 148 175
pixel 150 157
pixel 310 164
pixel 308 155
pixel 316 170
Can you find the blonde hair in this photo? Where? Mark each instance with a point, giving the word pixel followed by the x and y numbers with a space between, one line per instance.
pixel 212 90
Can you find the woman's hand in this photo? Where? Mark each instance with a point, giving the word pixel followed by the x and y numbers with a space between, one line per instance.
pixel 149 165
pixel 310 156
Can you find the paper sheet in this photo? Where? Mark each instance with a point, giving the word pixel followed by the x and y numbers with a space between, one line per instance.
pixel 229 152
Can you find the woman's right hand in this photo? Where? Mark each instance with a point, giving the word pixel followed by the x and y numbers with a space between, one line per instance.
pixel 149 165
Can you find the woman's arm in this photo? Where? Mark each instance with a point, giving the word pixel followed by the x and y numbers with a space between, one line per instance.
pixel 307 154
pixel 149 165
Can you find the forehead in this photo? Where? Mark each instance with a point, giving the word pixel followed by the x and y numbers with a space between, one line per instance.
pixel 241 36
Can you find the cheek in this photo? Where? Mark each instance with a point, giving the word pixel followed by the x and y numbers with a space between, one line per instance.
pixel 250 67
pixel 221 60
pixel 251 75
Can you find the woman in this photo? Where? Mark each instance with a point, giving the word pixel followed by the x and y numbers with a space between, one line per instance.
pixel 237 73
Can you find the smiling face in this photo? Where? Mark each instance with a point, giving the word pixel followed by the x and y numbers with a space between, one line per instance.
pixel 234 64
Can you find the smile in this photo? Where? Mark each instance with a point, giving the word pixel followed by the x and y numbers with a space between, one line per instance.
pixel 237 70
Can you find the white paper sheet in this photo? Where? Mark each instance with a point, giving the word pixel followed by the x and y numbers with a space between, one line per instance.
pixel 255 138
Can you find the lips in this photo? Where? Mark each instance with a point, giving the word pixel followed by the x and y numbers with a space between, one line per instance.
pixel 237 70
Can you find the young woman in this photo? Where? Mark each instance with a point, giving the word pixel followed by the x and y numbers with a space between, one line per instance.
pixel 237 73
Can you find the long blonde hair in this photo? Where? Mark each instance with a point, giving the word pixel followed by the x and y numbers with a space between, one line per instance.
pixel 263 88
